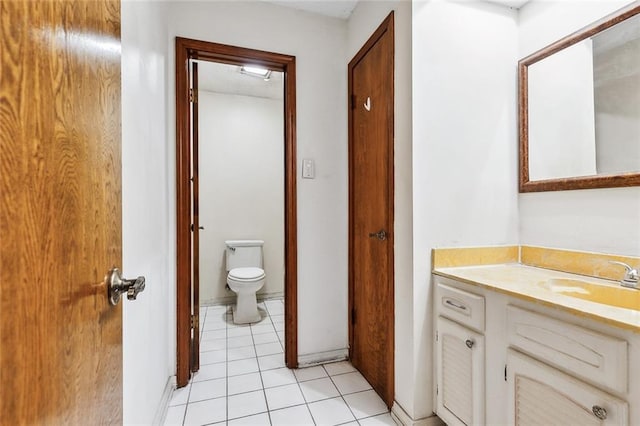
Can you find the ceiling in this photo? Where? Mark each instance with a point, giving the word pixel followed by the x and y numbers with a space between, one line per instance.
pixel 515 4
pixel 335 8
pixel 343 8
pixel 224 78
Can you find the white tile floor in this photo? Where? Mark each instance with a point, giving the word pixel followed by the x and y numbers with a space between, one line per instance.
pixel 243 380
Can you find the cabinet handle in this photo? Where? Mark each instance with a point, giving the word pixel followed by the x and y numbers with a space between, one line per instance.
pixel 469 343
pixel 455 305
pixel 599 412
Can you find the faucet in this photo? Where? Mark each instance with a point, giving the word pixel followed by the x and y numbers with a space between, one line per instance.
pixel 631 277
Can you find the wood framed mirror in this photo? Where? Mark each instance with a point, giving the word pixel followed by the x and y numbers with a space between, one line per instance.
pixel 579 108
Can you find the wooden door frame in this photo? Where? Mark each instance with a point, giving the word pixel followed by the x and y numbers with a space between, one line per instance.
pixel 187 49
pixel 386 26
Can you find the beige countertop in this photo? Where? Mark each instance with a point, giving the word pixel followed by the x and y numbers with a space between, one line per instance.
pixel 531 283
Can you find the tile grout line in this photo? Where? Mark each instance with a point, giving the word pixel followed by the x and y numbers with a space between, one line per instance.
pixel 304 398
pixel 264 392
pixel 190 383
pixel 226 367
pixel 342 396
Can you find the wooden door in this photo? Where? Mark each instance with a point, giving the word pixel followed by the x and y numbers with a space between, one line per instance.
pixel 195 228
pixel 60 214
pixel 371 210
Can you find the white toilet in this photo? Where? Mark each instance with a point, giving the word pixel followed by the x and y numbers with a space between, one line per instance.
pixel 245 277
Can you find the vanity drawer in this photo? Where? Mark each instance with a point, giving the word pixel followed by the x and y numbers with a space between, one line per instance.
pixel 460 306
pixel 595 357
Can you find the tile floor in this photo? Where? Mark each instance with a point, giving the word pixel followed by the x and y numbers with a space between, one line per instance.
pixel 243 380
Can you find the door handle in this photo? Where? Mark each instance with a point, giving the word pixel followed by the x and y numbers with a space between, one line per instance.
pixel 116 285
pixel 381 235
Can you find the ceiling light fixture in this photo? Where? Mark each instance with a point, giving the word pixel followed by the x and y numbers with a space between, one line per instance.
pixel 253 71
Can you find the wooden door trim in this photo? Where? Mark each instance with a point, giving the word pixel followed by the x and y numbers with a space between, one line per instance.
pixel 387 26
pixel 187 49
pixel 194 362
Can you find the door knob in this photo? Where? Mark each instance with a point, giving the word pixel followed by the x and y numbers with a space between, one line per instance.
pixel 116 285
pixel 599 412
pixel 381 235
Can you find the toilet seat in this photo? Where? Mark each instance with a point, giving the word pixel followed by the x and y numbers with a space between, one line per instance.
pixel 246 274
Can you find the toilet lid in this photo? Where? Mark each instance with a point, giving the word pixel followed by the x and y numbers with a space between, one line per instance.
pixel 246 273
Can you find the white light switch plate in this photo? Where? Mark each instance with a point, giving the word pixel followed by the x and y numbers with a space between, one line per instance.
pixel 308 169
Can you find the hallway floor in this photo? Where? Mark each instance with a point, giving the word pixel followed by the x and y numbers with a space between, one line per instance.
pixel 243 380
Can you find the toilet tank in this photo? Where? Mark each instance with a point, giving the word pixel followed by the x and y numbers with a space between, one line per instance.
pixel 244 253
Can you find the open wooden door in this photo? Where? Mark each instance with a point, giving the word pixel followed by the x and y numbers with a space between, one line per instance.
pixel 195 228
pixel 371 296
pixel 60 212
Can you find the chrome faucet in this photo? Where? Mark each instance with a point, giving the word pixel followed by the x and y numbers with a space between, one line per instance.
pixel 631 277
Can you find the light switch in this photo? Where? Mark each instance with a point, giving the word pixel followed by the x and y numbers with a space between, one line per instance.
pixel 308 169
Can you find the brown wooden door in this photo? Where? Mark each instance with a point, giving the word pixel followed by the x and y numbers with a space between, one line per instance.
pixel 195 214
pixel 60 213
pixel 371 210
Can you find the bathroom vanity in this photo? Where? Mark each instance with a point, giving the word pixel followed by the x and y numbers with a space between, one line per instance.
pixel 519 344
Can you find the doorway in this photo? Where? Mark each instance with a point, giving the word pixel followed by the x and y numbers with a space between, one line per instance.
pixel 371 196
pixel 188 54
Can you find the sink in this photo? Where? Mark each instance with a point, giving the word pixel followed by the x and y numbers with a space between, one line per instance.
pixel 620 297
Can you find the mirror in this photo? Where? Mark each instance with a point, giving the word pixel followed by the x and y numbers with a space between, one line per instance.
pixel 580 108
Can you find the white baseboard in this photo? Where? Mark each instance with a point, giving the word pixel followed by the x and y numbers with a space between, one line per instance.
pixel 161 411
pixel 232 299
pixel 307 360
pixel 402 418
pixel 266 296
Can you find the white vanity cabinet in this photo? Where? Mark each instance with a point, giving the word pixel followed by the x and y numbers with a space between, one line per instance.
pixel 459 357
pixel 529 363
pixel 542 395
pixel 548 363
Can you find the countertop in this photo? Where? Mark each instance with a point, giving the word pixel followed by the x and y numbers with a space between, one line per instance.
pixel 527 282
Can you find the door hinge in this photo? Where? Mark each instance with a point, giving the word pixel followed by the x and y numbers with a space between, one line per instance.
pixel 436 335
pixel 194 321
pixel 353 315
pixel 193 96
pixel 505 372
pixel 437 389
pixel 192 227
pixel 353 101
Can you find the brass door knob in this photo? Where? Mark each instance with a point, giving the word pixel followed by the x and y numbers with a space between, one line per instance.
pixel 381 235
pixel 116 285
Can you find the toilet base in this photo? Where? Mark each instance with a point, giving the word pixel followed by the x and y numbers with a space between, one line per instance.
pixel 245 311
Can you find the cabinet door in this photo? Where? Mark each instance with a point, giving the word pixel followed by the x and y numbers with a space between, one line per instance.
pixel 541 395
pixel 460 374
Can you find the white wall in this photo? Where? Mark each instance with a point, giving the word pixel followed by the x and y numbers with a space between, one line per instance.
pixel 319 46
pixel 241 158
pixel 148 218
pixel 464 147
pixel 367 16
pixel 604 220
